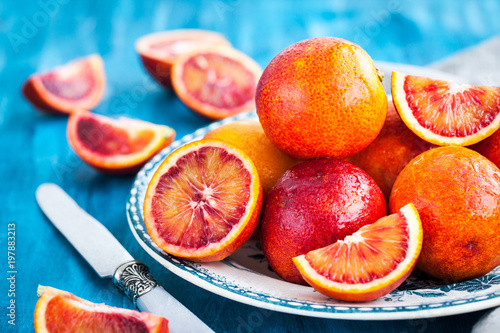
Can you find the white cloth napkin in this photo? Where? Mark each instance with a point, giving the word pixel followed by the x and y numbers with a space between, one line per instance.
pixel 477 65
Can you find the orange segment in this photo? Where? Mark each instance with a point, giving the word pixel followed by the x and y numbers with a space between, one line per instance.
pixel 216 81
pixel 59 311
pixel 445 113
pixel 76 85
pixel 120 145
pixel 369 263
pixel 204 201
pixel 159 50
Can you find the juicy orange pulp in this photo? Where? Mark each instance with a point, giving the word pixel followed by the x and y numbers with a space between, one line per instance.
pixel 369 263
pixel 441 100
pixel 60 311
pixel 365 256
pixel 204 201
pixel 217 80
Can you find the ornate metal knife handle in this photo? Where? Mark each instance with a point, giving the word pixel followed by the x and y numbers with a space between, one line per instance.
pixel 133 279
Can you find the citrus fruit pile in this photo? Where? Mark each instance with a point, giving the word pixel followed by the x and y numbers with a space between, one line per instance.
pixel 61 311
pixel 332 153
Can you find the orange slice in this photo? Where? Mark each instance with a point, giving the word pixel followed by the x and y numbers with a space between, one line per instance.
pixel 116 146
pixel 159 50
pixel 59 311
pixel 76 85
pixel 445 113
pixel 368 264
pixel 204 201
pixel 216 81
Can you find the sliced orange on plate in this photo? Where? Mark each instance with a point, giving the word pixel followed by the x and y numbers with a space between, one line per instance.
pixel 116 146
pixel 216 81
pixel 446 113
pixel 204 201
pixel 59 311
pixel 78 84
pixel 368 264
pixel 159 50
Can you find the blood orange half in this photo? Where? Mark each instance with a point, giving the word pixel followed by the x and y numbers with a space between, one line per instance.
pixel 368 264
pixel 159 50
pixel 76 85
pixel 204 201
pixel 445 113
pixel 217 81
pixel 59 311
pixel 116 146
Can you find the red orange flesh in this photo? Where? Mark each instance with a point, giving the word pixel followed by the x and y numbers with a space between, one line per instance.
pixel 59 311
pixel 217 81
pixel 204 201
pixel 368 264
pixel 76 85
pixel 116 146
pixel 159 50
pixel 445 113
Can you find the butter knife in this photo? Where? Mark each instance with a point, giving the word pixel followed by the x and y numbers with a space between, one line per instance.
pixel 110 260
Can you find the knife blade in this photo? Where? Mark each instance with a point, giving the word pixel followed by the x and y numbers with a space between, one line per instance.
pixel 110 259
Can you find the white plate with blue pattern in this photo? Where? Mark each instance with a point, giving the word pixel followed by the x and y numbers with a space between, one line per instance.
pixel 246 277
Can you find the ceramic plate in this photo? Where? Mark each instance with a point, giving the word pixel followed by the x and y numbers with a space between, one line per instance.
pixel 246 277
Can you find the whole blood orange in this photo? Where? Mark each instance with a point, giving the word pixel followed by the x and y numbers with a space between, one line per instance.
pixel 457 194
pixel 321 97
pixel 445 113
pixel 116 146
pixel 249 136
pixel 78 84
pixel 58 311
pixel 368 264
pixel 159 50
pixel 389 153
pixel 216 81
pixel 313 205
pixel 204 201
pixel 489 148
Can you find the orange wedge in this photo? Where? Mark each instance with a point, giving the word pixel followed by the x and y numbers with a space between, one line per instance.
pixel 369 263
pixel 445 113
pixel 116 146
pixel 204 201
pixel 58 311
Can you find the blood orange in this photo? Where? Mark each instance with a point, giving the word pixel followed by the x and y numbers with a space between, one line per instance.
pixel 216 81
pixel 60 311
pixel 159 50
pixel 116 146
pixel 445 113
pixel 204 201
pixel 370 263
pixel 75 85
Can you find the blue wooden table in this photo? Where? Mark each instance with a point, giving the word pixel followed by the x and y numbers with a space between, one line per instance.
pixel 37 35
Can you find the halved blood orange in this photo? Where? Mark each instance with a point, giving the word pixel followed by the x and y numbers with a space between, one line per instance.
pixel 78 84
pixel 116 146
pixel 368 264
pixel 446 113
pixel 159 50
pixel 204 201
pixel 216 81
pixel 59 311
